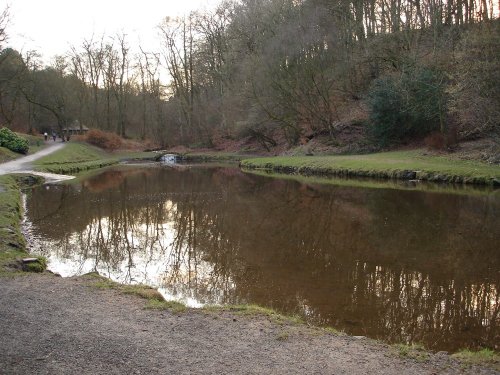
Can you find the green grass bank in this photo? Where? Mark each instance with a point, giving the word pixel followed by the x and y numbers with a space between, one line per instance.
pixel 402 165
pixel 35 143
pixel 11 237
pixel 12 242
pixel 212 157
pixel 77 157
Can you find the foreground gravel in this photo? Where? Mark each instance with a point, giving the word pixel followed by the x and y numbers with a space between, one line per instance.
pixel 51 325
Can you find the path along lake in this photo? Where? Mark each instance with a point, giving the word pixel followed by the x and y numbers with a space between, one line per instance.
pixel 400 265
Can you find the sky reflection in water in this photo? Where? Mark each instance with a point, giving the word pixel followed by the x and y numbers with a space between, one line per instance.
pixel 402 266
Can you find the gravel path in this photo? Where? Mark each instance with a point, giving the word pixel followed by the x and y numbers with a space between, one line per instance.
pixel 53 325
pixel 23 165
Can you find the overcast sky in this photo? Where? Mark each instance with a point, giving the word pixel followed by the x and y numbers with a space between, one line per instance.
pixel 52 26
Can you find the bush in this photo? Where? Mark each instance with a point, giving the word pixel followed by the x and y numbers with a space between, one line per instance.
pixel 410 105
pixel 388 116
pixel 105 140
pixel 13 142
pixel 441 141
pixel 425 103
pixel 435 141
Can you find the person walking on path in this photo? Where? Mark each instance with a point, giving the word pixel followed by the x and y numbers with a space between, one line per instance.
pixel 45 136
pixel 54 136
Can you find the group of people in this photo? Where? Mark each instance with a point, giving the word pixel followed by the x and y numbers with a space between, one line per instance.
pixel 54 136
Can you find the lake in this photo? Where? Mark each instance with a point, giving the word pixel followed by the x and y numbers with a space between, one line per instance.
pixel 400 265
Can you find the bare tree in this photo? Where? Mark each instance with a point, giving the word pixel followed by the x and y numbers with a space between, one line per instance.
pixel 4 22
pixel 178 50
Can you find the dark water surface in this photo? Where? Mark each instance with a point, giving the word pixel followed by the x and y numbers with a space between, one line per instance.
pixel 402 266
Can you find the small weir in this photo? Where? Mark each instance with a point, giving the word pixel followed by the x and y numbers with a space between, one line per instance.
pixel 169 159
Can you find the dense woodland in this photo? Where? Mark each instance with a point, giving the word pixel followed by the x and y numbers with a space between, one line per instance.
pixel 274 71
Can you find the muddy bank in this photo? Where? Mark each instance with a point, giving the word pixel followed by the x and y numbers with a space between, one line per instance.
pixel 55 325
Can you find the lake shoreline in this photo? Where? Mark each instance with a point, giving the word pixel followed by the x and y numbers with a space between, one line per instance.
pixel 415 356
pixel 226 340
pixel 415 165
pixel 388 166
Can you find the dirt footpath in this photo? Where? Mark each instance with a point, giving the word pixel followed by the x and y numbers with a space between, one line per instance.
pixel 51 325
pixel 24 164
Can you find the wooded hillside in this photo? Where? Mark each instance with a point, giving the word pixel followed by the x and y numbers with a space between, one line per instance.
pixel 276 71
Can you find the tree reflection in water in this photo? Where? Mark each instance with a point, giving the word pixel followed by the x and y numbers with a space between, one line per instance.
pixel 397 265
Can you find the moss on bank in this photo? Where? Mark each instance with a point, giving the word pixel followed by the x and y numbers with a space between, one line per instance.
pixel 404 165
pixel 371 183
pixel 11 237
pixel 154 299
pixel 415 351
pixel 484 357
pixel 12 242
pixel 37 265
pixel 250 310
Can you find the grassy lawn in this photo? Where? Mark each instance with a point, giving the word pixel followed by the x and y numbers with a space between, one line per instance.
pixel 76 157
pixel 384 165
pixel 35 141
pixel 7 155
pixel 213 156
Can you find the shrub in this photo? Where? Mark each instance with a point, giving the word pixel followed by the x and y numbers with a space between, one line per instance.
pixel 105 140
pixel 435 141
pixel 13 142
pixel 412 104
pixel 440 141
pixel 425 101
pixel 388 116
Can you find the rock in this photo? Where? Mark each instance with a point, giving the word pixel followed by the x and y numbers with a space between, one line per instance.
pixel 408 175
pixel 30 260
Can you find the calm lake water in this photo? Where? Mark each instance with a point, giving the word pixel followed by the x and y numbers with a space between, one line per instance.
pixel 397 265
